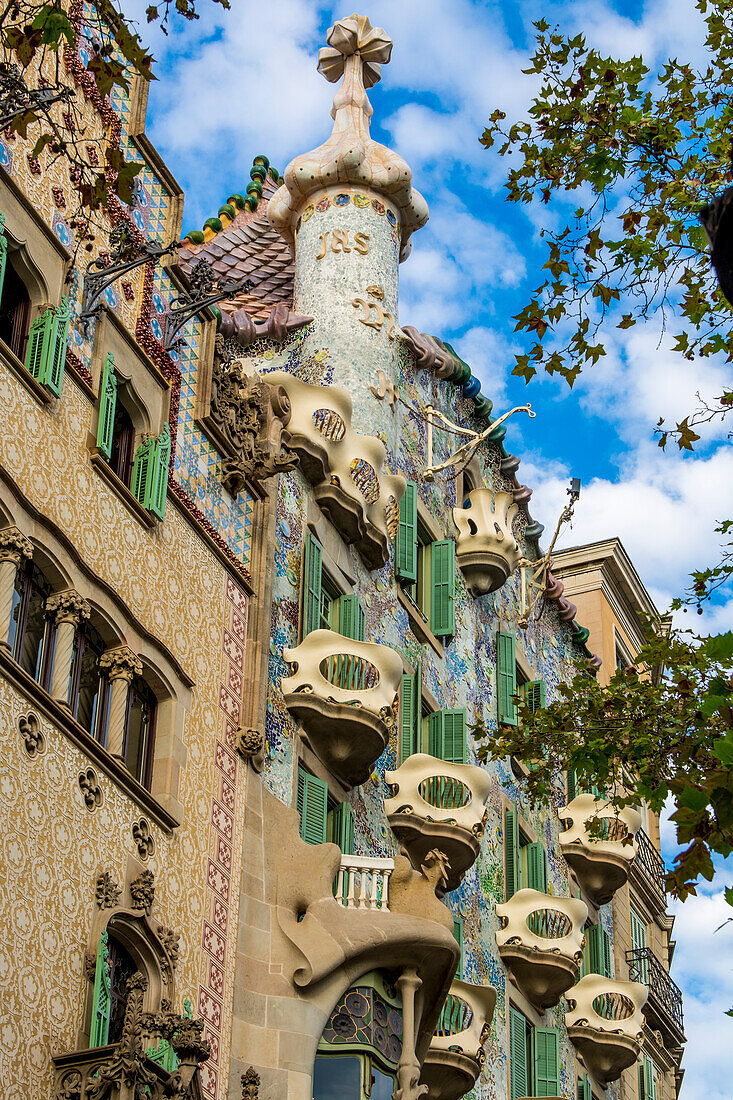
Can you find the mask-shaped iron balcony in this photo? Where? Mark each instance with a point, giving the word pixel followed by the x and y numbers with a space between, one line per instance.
pixel 605 1024
pixel 601 863
pixel 344 695
pixel 436 804
pixel 487 552
pixel 344 467
pixel 456 1055
pixel 541 943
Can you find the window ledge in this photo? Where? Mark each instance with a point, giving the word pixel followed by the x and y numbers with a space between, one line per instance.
pixel 35 389
pixel 142 515
pixel 60 717
pixel 419 626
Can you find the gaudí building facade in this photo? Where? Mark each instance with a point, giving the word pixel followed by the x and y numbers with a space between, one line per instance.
pixel 266 573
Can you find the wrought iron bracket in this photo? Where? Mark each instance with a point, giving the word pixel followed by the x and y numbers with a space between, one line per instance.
pixel 16 98
pixel 533 574
pixel 206 290
pixel 97 281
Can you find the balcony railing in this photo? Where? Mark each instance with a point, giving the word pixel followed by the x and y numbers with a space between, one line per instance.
pixel 650 860
pixel 664 995
pixel 363 882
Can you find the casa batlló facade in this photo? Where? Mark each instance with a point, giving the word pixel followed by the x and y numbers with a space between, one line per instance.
pixel 253 609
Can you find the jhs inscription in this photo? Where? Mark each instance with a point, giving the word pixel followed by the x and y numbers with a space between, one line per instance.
pixel 339 242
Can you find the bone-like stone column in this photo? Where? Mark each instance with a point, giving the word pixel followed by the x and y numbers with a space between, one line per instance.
pixel 67 609
pixel 15 549
pixel 408 1071
pixel 121 666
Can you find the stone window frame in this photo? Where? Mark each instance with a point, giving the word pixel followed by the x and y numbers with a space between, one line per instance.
pixel 167 679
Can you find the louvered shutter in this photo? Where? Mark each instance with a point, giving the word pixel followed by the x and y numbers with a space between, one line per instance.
pixel 409 710
pixel 406 543
pixel 99 1033
pixel 536 867
pixel 454 736
pixel 586 1089
pixel 518 1060
pixel 642 1081
pixel 458 935
pixel 638 943
pixel 312 584
pixel 343 828
pixel 535 694
pixel 142 472
pixel 545 1062
pixel 312 807
pixel 435 734
pixel 161 467
pixel 351 618
pixel 650 1081
pixel 107 406
pixel 511 853
pixel 443 588
pixel 598 948
pixel 39 345
pixel 607 953
pixel 506 671
pixel 57 348
pixel 572 786
pixel 3 253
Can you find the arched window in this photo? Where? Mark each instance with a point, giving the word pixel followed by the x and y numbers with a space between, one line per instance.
pixel 31 635
pixel 123 444
pixel 88 691
pixel 121 967
pixel 469 484
pixel 139 740
pixel 15 311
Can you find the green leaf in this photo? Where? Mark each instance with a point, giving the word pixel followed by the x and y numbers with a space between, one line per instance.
pixel 693 799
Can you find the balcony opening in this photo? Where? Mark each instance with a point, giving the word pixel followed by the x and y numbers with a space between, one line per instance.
pixel 361 1045
pixel 15 311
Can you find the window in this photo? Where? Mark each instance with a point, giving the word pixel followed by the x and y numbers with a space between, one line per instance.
pixel 410 715
pixel 139 739
pixel 447 735
pixel 647 1079
pixel 512 683
pixel 324 605
pixel 426 567
pixel 340 827
pixel 350 1077
pixel 15 306
pixel 534 1061
pixel 525 860
pixel 597 954
pixel 321 817
pixel 584 1090
pixel 574 788
pixel 638 943
pixel 88 691
pixel 31 635
pixel 458 934
pixel 114 966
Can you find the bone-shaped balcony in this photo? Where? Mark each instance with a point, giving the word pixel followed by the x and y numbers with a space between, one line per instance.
pixel 344 467
pixel 541 943
pixel 601 861
pixel 605 1024
pixel 456 1055
pixel 487 552
pixel 438 805
pixel 344 694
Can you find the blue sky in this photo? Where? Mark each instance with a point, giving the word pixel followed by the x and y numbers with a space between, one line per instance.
pixel 240 83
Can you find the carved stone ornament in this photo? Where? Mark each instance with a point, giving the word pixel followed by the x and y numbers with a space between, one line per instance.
pixel 120 664
pixel 142 891
pixel 106 892
pixel 90 789
pixel 250 744
pixel 14 546
pixel 143 838
pixel 34 741
pixel 67 607
pixel 250 1084
pixel 171 942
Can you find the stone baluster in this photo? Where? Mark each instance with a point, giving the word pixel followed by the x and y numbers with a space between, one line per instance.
pixel 408 1071
pixel 67 610
pixel 120 666
pixel 15 549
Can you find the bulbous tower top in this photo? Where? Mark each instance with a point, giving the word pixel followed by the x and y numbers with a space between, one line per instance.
pixel 355 54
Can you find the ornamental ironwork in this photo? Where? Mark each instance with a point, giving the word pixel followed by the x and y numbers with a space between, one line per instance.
pixel 664 994
pixel 17 99
pixel 650 860
pixel 126 255
pixel 206 289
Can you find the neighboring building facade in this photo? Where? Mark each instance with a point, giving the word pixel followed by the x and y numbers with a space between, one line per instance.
pixel 613 603
pixel 247 646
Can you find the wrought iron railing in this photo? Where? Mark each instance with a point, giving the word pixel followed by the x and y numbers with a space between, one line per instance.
pixel 664 994
pixel 650 860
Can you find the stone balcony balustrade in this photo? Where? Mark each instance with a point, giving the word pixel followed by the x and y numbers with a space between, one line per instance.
pixel 541 943
pixel 487 551
pixel 344 695
pixel 601 863
pixel 363 882
pixel 456 1055
pixel 344 467
pixel 605 1024
pixel 435 804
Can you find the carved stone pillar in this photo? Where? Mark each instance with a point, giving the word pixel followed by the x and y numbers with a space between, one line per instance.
pixel 121 666
pixel 15 549
pixel 408 1071
pixel 67 609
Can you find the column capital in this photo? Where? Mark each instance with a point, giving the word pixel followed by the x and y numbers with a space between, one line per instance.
pixel 67 607
pixel 14 546
pixel 120 664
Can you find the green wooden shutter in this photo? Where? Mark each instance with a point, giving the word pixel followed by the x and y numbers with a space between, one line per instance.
pixel 638 943
pixel 572 786
pixel 598 948
pixel 3 253
pixel 406 544
pixel 409 721
pixel 343 828
pixel 518 1060
pixel 511 853
pixel 647 1080
pixel 142 472
pixel 536 867
pixel 351 618
pixel 312 807
pixel 545 1062
pixel 39 345
pixel 435 734
pixel 313 567
pixel 57 348
pixel 586 1089
pixel 107 406
pixel 535 694
pixel 161 467
pixel 99 1033
pixel 443 588
pixel 506 671
pixel 458 935
pixel 454 736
